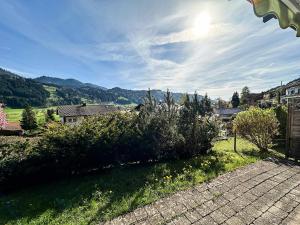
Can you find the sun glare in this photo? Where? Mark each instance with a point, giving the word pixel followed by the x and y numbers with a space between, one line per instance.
pixel 202 24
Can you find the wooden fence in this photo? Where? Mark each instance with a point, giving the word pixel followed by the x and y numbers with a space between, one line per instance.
pixel 293 129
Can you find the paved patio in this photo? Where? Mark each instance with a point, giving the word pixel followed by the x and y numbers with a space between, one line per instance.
pixel 267 192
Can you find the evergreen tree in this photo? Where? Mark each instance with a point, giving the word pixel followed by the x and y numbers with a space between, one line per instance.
pixel 235 101
pixel 28 121
pixel 185 100
pixel 206 103
pixel 49 115
pixel 149 102
pixel 245 96
pixel 169 107
pixel 278 97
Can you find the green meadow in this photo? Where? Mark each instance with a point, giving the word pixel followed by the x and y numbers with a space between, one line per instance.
pixel 15 115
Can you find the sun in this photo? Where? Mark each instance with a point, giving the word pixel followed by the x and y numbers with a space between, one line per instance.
pixel 202 24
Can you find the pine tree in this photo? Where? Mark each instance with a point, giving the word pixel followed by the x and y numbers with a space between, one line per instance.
pixel 169 107
pixel 235 101
pixel 28 121
pixel 206 103
pixel 198 108
pixel 245 96
pixel 149 102
pixel 278 97
pixel 49 115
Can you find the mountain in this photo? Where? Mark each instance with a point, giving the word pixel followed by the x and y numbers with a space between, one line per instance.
pixel 17 91
pixel 66 82
pixel 136 96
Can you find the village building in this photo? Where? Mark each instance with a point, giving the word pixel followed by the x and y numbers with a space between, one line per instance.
pixel 74 114
pixel 226 114
pixel 12 129
pixel 292 90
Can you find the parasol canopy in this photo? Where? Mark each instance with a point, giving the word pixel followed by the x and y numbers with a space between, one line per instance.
pixel 286 11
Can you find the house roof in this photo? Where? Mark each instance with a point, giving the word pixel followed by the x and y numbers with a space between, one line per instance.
pixel 13 126
pixel 294 83
pixel 85 110
pixel 227 111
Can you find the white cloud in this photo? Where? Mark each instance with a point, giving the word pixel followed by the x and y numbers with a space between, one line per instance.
pixel 153 44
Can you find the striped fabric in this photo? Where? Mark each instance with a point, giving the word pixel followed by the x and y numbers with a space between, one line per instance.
pixel 286 11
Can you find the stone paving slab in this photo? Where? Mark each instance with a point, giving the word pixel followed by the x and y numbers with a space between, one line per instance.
pixel 267 192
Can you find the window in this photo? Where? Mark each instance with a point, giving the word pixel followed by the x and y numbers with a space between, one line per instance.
pixel 72 120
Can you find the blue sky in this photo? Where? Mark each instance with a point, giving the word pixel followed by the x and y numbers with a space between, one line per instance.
pixel 137 44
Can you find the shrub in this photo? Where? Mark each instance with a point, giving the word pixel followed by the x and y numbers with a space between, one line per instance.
pixel 257 125
pixel 156 133
pixel 282 116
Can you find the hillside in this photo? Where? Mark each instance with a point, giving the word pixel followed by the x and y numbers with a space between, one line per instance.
pixel 66 82
pixel 16 91
pixel 136 96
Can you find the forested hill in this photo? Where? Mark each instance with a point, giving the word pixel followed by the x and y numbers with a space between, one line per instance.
pixel 17 91
pixel 66 82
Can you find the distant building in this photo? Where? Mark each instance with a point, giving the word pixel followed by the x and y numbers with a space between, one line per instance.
pixel 12 129
pixel 292 90
pixel 226 115
pixel 254 98
pixel 74 114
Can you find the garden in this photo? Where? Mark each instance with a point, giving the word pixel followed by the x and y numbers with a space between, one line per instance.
pixel 112 164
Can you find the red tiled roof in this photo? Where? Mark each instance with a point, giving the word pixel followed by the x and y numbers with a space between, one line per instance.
pixel 13 126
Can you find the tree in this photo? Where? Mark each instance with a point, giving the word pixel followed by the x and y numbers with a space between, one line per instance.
pixel 245 96
pixel 257 125
pixel 49 115
pixel 197 106
pixel 3 122
pixel 282 116
pixel 235 101
pixel 278 97
pixel 206 103
pixel 28 121
pixel 222 104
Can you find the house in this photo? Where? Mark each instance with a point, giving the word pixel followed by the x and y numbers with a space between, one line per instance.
pixel 226 115
pixel 292 90
pixel 12 129
pixel 74 114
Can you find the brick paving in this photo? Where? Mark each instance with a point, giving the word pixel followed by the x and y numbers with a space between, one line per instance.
pixel 267 192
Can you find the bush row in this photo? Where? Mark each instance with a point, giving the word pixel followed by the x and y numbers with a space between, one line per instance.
pixel 159 131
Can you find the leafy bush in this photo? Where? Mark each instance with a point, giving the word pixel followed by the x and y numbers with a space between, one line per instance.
pixel 156 133
pixel 282 116
pixel 257 125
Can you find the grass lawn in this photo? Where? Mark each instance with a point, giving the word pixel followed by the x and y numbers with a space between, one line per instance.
pixel 15 115
pixel 94 198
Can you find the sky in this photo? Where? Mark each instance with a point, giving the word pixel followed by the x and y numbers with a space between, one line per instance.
pixel 209 46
